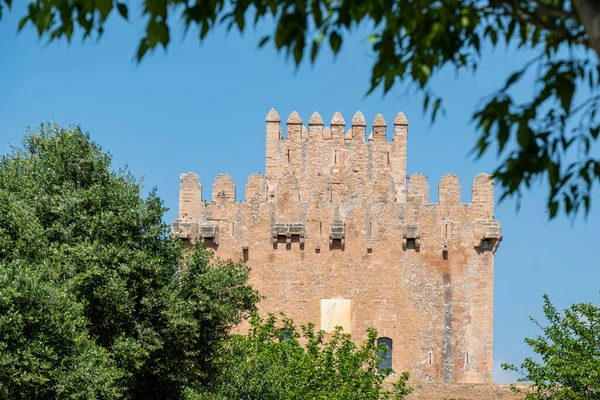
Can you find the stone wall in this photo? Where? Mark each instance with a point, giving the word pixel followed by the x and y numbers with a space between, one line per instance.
pixel 429 391
pixel 334 235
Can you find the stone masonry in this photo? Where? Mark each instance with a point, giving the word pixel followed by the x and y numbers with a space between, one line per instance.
pixel 336 233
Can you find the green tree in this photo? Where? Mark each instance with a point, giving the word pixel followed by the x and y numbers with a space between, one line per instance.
pixel 277 361
pixel 569 355
pixel 90 302
pixel 547 136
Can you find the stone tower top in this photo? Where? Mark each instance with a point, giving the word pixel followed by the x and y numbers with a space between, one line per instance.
pixel 341 156
pixel 334 231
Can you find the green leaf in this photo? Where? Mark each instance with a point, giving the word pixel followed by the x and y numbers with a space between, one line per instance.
pixel 263 41
pixel 335 41
pixel 314 50
pixel 123 10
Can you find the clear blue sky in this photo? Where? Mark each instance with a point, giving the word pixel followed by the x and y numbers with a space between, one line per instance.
pixel 202 108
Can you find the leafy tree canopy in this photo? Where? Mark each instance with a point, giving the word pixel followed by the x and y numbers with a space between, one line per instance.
pixel 549 136
pixel 90 303
pixel 278 361
pixel 568 352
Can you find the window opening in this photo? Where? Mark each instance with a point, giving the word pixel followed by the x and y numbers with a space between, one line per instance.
pixel 336 244
pixel 386 354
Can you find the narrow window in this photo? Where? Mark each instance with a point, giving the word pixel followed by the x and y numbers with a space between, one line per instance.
pixel 320 228
pixel 430 357
pixel 289 155
pixel 388 158
pixel 336 156
pixel 445 254
pixel 233 230
pixel 370 232
pixel 446 233
pixel 245 254
pixel 385 355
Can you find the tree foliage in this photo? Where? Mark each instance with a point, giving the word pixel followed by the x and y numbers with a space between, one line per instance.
pixel 90 303
pixel 278 361
pixel 547 136
pixel 569 355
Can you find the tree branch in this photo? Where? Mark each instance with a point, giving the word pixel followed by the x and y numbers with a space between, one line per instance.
pixel 589 13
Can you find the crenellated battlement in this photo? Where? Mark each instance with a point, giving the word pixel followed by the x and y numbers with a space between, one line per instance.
pixel 321 189
pixel 335 218
pixel 335 151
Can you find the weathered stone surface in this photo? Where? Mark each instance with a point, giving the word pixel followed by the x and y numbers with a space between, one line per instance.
pixel 335 219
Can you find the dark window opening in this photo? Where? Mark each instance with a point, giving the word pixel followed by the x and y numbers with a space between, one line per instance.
pixel 285 334
pixel 336 156
pixel 388 158
pixel 370 233
pixel 245 254
pixel 445 254
pixel 289 156
pixel 295 238
pixel 317 250
pixel 486 244
pixel 280 238
pixel 411 243
pixel 210 243
pixel 369 250
pixel 336 244
pixel 187 241
pixel 385 355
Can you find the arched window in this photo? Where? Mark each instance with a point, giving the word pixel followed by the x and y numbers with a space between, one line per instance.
pixel 386 356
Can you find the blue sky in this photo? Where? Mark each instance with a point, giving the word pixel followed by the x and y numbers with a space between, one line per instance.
pixel 201 107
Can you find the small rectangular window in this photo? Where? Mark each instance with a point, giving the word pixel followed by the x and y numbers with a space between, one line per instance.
pixel 295 238
pixel 411 243
pixel 336 156
pixel 445 254
pixel 336 244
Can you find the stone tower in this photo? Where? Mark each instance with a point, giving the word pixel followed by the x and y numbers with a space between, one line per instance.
pixel 335 235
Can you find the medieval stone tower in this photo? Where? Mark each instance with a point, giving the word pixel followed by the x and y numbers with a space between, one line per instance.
pixel 337 233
